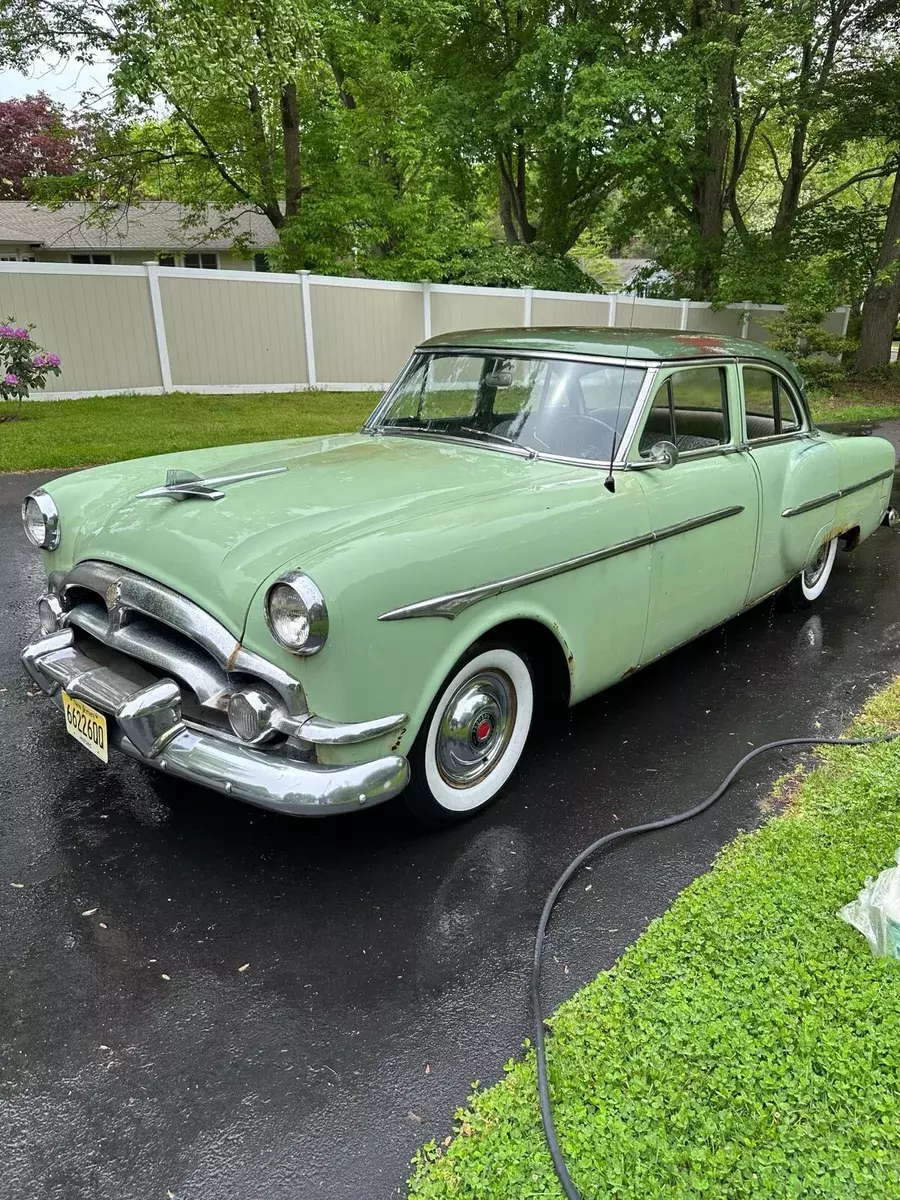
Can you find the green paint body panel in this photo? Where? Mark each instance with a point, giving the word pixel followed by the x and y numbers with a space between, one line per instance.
pixel 384 522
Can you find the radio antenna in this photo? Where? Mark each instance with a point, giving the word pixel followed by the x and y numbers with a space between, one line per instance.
pixel 610 482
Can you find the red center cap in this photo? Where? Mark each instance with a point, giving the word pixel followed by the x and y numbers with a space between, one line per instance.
pixel 483 732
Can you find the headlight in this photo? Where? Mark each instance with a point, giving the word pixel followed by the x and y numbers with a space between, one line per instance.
pixel 40 517
pixel 296 614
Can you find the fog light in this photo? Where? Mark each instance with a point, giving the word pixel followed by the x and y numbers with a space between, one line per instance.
pixel 250 715
pixel 50 613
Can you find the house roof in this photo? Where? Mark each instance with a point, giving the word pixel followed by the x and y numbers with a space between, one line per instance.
pixel 626 267
pixel 154 225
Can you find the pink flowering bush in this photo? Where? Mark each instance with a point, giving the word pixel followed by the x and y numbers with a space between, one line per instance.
pixel 23 363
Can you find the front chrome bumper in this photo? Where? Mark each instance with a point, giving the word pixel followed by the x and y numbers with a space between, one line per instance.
pixel 147 724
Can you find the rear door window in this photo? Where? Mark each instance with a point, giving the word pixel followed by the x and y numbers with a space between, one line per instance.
pixel 770 407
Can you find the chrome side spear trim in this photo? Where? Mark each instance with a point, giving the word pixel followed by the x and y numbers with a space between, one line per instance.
pixel 184 485
pixel 451 605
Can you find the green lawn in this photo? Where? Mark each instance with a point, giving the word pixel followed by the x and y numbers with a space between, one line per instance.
pixel 747 1046
pixel 79 433
pixel 855 401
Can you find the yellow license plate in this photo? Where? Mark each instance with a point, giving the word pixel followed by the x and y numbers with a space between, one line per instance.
pixel 86 725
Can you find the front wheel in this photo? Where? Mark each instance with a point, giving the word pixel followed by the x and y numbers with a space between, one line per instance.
pixel 812 581
pixel 473 737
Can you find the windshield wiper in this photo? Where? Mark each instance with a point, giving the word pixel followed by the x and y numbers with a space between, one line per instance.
pixel 450 435
pixel 499 437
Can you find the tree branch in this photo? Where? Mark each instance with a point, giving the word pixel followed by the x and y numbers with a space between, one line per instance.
pixel 886 168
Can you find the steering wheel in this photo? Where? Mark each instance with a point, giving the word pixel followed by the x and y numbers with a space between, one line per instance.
pixel 586 449
pixel 605 424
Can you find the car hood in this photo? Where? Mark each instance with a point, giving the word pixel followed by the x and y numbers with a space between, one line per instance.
pixel 332 491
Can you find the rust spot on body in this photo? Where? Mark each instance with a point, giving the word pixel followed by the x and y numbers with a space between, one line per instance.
pixel 399 739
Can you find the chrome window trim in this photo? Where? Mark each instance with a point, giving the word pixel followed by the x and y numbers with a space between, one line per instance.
pixel 777 439
pixel 452 604
pixel 693 456
pixel 808 428
pixel 643 408
pixel 602 360
pixel 809 505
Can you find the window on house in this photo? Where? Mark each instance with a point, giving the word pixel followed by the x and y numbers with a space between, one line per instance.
pixel 203 262
pixel 260 262
pixel 98 260
pixel 166 260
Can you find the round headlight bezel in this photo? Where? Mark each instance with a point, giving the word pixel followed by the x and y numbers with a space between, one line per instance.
pixel 45 505
pixel 313 601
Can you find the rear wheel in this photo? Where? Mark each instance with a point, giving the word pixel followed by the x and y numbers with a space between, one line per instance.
pixel 812 581
pixel 473 737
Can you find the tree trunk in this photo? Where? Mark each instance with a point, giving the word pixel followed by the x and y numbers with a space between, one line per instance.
pixel 514 197
pixel 879 314
pixel 506 218
pixel 789 201
pixel 290 132
pixel 715 25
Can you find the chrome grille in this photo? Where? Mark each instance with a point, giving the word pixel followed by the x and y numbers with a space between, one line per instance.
pixel 139 619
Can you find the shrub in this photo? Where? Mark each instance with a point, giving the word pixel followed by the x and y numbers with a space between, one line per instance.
pixel 23 363
pixel 501 265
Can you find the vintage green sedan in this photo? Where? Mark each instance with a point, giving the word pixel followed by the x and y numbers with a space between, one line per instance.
pixel 528 516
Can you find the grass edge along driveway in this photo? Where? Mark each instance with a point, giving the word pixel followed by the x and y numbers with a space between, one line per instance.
pixel 103 429
pixel 747 1045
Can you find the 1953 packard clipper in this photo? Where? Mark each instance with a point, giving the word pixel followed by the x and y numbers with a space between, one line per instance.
pixel 316 625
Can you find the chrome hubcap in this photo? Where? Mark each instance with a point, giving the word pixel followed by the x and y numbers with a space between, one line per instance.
pixel 813 572
pixel 475 728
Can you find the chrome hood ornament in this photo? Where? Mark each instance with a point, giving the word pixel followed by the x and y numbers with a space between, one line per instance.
pixel 185 485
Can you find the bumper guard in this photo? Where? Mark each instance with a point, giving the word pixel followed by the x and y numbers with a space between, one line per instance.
pixel 147 725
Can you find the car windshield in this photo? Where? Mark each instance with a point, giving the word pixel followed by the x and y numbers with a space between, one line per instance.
pixel 543 405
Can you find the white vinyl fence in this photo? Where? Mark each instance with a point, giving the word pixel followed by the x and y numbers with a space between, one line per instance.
pixel 155 329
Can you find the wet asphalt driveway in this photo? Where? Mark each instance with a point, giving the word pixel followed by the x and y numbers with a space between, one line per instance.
pixel 387 967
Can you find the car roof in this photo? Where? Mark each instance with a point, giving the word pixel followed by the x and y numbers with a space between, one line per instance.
pixel 647 344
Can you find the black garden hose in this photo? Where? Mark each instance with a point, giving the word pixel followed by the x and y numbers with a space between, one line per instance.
pixel 556 1154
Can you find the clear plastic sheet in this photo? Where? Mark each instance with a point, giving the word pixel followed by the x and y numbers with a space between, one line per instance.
pixel 876 912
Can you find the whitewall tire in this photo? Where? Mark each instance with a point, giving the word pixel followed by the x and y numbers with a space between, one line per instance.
pixel 809 585
pixel 473 736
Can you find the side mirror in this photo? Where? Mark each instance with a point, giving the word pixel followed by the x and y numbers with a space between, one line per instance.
pixel 663 455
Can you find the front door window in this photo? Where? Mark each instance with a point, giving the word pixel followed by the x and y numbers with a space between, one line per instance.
pixel 690 408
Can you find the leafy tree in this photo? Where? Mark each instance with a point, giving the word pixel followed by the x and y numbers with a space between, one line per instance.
pixel 516 266
pixel 36 139
pixel 502 76
pixel 729 112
